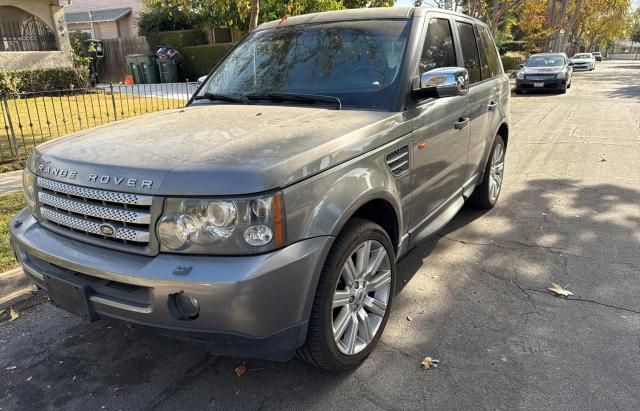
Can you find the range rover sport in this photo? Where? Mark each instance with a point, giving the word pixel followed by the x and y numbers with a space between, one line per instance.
pixel 267 216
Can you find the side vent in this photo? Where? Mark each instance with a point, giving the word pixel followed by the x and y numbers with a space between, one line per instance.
pixel 398 160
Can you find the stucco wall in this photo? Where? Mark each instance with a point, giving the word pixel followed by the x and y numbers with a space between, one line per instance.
pixel 105 29
pixel 17 60
pixel 53 16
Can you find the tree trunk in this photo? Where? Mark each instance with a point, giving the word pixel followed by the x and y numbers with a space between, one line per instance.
pixel 572 22
pixel 255 11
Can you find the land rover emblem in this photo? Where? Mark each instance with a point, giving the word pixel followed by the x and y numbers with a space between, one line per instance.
pixel 107 229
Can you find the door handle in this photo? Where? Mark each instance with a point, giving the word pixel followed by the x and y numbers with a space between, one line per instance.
pixel 461 123
pixel 492 106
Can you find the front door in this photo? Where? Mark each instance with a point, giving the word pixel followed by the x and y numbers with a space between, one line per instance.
pixel 441 131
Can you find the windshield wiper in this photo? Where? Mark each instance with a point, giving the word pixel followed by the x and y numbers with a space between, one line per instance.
pixel 301 98
pixel 238 99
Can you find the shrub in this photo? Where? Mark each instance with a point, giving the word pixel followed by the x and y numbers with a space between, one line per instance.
pixel 177 39
pixel 37 80
pixel 199 60
pixel 163 18
pixel 510 63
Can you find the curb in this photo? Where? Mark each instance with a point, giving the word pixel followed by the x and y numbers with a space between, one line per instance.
pixel 13 285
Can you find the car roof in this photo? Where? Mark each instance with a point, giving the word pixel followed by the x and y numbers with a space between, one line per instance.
pixel 372 13
pixel 549 54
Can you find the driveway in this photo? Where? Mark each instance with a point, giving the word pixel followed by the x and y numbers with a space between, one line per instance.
pixel 475 297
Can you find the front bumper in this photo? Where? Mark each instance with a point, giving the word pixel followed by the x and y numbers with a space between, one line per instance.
pixel 254 306
pixel 555 84
pixel 583 66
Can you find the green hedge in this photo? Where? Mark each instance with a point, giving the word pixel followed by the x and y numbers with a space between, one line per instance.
pixel 37 80
pixel 199 60
pixel 177 39
pixel 510 63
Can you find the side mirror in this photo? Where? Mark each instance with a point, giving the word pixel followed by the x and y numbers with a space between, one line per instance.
pixel 441 82
pixel 521 66
pixel 201 80
pixel 571 63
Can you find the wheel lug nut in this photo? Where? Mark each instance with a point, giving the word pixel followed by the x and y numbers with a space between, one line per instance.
pixel 352 299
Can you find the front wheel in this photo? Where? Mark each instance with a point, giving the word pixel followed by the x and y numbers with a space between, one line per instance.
pixel 353 299
pixel 487 192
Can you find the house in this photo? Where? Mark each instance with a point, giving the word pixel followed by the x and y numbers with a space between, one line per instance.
pixel 624 49
pixel 104 19
pixel 33 34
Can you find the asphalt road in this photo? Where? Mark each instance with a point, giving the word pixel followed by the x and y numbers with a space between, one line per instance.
pixel 476 294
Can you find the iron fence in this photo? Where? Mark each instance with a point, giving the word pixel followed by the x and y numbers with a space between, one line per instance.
pixel 27 35
pixel 29 119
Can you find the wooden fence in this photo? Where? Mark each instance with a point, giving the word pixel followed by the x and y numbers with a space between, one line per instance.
pixel 113 66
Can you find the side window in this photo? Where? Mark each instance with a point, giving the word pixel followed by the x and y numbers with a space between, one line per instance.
pixel 438 50
pixel 469 51
pixel 482 53
pixel 495 66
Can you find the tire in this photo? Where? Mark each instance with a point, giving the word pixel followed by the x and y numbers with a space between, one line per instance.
pixel 562 90
pixel 321 348
pixel 483 197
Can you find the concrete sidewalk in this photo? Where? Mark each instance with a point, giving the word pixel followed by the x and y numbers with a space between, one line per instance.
pixel 10 182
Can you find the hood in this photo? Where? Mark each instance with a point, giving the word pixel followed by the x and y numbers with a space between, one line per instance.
pixel 542 70
pixel 215 149
pixel 582 60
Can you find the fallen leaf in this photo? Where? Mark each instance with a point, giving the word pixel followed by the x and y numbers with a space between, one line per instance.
pixel 241 369
pixel 29 379
pixel 429 362
pixel 559 290
pixel 409 318
pixel 9 314
pixel 13 314
pixel 13 367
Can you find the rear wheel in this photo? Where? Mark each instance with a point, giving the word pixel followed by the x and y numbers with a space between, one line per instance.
pixel 353 299
pixel 486 194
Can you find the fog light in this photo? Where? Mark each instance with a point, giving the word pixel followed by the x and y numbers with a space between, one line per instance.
pixel 258 235
pixel 183 306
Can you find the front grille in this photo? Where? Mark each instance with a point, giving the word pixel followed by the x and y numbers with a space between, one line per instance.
pixel 541 77
pixel 121 219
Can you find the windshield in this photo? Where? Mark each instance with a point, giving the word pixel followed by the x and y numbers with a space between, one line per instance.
pixel 355 61
pixel 582 56
pixel 545 61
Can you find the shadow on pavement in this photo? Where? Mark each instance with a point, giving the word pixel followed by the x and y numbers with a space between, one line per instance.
pixel 475 293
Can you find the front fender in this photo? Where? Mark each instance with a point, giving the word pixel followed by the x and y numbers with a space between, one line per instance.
pixel 323 204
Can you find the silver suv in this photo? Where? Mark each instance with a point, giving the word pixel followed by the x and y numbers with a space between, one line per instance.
pixel 268 215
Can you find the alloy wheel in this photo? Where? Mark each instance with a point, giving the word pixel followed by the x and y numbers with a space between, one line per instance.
pixel 361 297
pixel 496 173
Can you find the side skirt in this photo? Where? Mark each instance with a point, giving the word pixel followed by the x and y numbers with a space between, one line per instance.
pixel 442 215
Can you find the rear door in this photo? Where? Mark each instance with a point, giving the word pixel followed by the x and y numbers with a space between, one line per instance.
pixel 441 129
pixel 482 91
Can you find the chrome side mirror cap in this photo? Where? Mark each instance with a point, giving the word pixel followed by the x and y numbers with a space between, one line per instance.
pixel 441 82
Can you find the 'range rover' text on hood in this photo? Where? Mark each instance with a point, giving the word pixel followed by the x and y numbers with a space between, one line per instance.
pixel 214 149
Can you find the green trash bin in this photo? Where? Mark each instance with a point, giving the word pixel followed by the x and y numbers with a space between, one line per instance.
pixel 143 68
pixel 133 61
pixel 168 71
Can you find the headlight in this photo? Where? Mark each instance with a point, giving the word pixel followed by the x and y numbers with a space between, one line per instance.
pixel 561 75
pixel 216 226
pixel 29 189
pixel 520 75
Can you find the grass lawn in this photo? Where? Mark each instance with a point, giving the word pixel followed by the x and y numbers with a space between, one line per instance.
pixel 38 119
pixel 10 204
